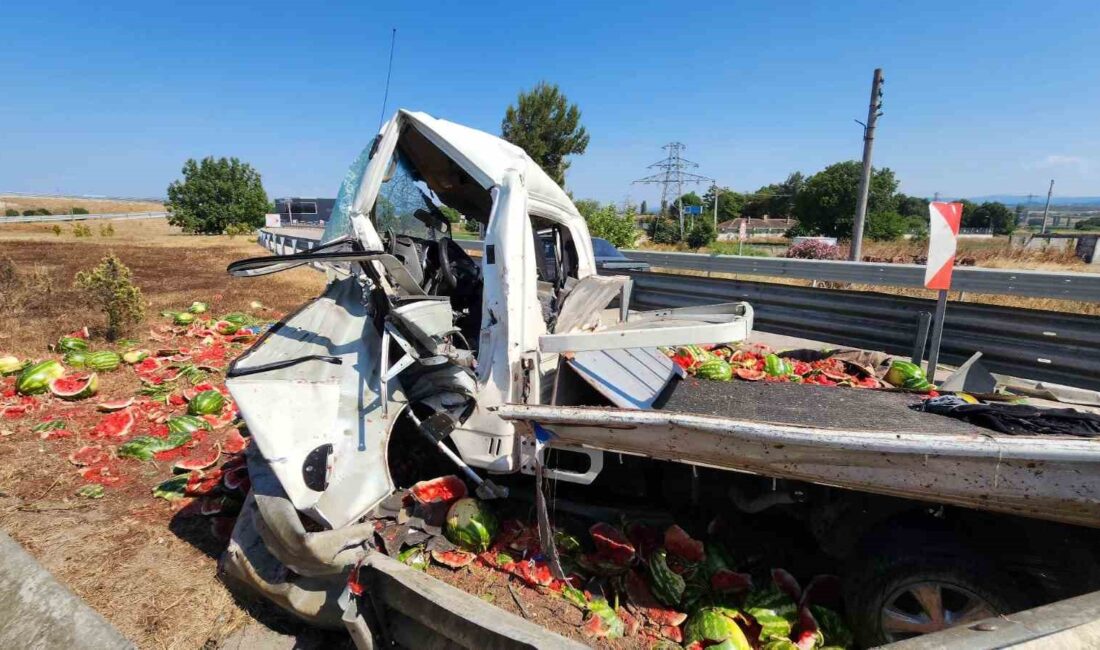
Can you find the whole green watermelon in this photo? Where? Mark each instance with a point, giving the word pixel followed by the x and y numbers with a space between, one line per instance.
pixel 186 424
pixel 714 368
pixel 35 379
pixel 471 525
pixel 208 402
pixel 76 358
pixel 776 366
pixel 906 374
pixel 102 361
pixel 715 625
pixel 71 344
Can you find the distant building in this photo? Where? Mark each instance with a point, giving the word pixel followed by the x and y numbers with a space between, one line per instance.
pixel 296 210
pixel 754 227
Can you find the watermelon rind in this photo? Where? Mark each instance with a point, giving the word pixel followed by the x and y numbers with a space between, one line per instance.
pixel 238 319
pixel 10 365
pixel 133 357
pixel 145 447
pixel 712 625
pixel 171 489
pixel 187 424
pixel 226 328
pixel 102 361
pixel 198 307
pixel 90 491
pixel 208 402
pixel 35 379
pixel 196 461
pixel 454 559
pixel 110 406
pixel 89 387
pixel 72 344
pixel 183 318
pixel 471 525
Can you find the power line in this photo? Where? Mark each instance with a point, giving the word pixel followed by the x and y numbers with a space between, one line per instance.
pixel 672 177
pixel 389 70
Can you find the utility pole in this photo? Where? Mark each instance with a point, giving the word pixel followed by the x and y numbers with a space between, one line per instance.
pixel 1046 210
pixel 873 113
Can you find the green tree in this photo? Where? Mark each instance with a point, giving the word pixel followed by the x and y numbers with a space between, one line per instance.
pixel 643 209
pixel 608 223
pixel 730 203
pixel 758 203
pixel 215 194
pixel 1092 223
pixel 826 204
pixel 912 206
pixel 11 212
pixel 885 226
pixel 547 127
pixel 990 214
pixel 664 230
pixel 79 210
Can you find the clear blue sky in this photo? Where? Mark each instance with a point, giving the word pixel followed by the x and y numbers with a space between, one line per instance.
pixel 981 97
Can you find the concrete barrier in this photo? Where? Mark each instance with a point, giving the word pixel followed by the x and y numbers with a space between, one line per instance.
pixel 37 611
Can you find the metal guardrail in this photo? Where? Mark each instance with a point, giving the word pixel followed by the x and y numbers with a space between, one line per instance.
pixel 1047 346
pixel 116 216
pixel 1038 284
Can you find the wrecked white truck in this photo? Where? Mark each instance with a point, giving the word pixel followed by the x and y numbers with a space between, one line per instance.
pixel 419 360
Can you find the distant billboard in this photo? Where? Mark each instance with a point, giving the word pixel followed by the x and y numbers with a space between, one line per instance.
pixel 273 220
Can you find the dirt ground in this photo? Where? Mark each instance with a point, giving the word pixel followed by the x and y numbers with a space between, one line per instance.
pixel 136 559
pixel 62 204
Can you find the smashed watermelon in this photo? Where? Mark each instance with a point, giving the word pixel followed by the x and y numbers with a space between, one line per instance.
pixel 112 405
pixel 611 544
pixel 455 559
pixel 201 483
pixel 681 544
pixel 116 425
pixel 199 459
pixel 234 442
pixel 88 455
pixel 439 490
pixel 75 387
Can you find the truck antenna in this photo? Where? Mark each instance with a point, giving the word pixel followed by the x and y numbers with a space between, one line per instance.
pixel 389 70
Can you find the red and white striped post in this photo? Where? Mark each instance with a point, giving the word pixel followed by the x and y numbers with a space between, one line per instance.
pixel 943 234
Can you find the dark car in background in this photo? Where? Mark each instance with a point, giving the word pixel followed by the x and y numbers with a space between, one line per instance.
pixel 611 260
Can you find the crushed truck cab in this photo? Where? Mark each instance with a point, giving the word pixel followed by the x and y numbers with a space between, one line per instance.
pixel 418 354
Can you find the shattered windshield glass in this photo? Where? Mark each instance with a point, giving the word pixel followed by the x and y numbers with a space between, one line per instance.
pixel 401 196
pixel 339 224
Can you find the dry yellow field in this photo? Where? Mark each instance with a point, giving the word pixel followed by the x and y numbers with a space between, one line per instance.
pixel 62 204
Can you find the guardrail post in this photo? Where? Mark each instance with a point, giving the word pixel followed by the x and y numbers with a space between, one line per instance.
pixel 924 321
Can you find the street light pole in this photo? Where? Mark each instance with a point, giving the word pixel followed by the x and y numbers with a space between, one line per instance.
pixel 873 113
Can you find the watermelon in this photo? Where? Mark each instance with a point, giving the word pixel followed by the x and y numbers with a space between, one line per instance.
pixel 603 621
pixel 750 374
pixel 186 424
pixel 48 425
pixel 171 489
pixel 183 318
pixel 226 328
pixel 102 361
pixel 72 344
pixel 439 490
pixel 145 447
pixel 906 374
pixel 75 359
pixel 208 402
pixel 134 357
pixel 714 368
pixel 414 557
pixel 668 586
pixel 74 387
pixel 10 365
pixel 694 353
pixel 200 459
pixel 681 544
pixel 725 581
pixel 237 318
pixel 471 525
pixel 115 425
pixel 200 483
pixel 88 455
pixel 91 491
pixel 776 366
pixel 235 478
pixel 35 379
pixel 81 333
pixel 453 559
pixel 714 625
pixel 197 307
pixel 113 405
pixel 234 442
pixel 642 600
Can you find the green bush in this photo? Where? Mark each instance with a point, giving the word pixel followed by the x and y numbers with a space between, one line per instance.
pixel 701 234
pixel 607 223
pixel 106 230
pixel 43 212
pixel 885 226
pixel 109 287
pixel 235 229
pixel 81 230
pixel 663 230
pixel 56 229
pixel 216 193
pixel 79 211
pixel 29 213
pixel 1092 223
pixel 11 212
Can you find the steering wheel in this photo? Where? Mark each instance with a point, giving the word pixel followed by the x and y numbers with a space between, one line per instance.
pixel 445 271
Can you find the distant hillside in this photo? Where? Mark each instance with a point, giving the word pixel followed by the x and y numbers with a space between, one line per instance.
pixel 63 204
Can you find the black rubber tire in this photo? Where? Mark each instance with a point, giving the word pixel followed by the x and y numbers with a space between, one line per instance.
pixel 869 581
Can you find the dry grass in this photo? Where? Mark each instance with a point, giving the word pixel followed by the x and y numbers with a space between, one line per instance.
pixel 62 205
pixel 150 572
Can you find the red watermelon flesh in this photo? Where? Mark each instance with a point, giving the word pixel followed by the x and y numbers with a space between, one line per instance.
pixel 535 573
pixel 200 458
pixel 672 633
pixel 54 434
pixel 750 374
pixel 234 442
pixel 611 545
pixel 725 581
pixel 116 425
pixel 455 559
pixel 102 472
pixel 681 544
pixel 646 539
pixel 147 366
pixel 639 595
pixel 200 483
pixel 113 405
pixel 88 455
pixel 439 490
pixel 235 477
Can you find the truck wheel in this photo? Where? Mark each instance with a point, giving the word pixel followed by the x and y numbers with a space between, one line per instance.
pixel 894 598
